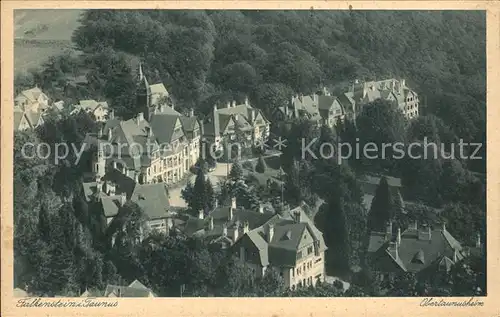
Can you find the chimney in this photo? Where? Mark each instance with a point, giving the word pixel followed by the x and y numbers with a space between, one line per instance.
pixel 140 117
pixel 315 97
pixel 191 112
pixel 111 114
pixel 399 236
pixel 211 224
pixel 297 215
pixel 246 101
pixel 388 229
pixel 403 83
pixel 228 104
pixel 478 240
pixel 201 215
pixel 393 249
pixel 414 225
pixel 98 187
pixel 252 116
pixel 425 233
pixel 114 165
pixel 123 198
pixel 224 230
pixel 270 233
pixel 233 203
pixel 236 229
pixel 149 132
pixel 234 103
pixel 261 208
pixel 136 177
pixel 246 227
pixel 110 134
pixel 120 288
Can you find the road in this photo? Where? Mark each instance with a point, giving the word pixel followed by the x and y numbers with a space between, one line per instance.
pixel 220 173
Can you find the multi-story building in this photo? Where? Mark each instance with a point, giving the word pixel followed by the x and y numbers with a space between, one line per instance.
pixel 29 107
pixel 32 100
pixel 415 250
pixel 289 242
pixel 158 145
pixel 224 124
pixel 323 109
pixel 108 194
pixel 99 109
pixel 160 150
pixel 361 93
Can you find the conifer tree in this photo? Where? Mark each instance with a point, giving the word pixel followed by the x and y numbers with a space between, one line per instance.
pixel 261 165
pixel 382 208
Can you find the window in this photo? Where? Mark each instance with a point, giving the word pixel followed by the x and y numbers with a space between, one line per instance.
pixel 309 250
pixel 299 255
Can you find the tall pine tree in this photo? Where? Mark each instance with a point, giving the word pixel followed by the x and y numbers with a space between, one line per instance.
pixel 382 208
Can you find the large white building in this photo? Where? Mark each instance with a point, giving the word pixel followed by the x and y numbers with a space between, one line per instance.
pixel 361 93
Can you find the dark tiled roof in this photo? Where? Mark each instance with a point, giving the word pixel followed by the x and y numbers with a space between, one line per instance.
pixel 163 127
pixel 416 251
pixel 152 199
pixel 288 232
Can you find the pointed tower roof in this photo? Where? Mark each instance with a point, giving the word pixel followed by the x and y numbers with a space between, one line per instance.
pixel 142 81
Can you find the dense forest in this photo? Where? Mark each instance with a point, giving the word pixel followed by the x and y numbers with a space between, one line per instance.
pixel 209 57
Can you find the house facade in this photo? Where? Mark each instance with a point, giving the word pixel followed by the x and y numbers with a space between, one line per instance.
pixel 416 250
pixel 99 109
pixel 290 243
pixel 29 107
pixel 158 145
pixel 322 109
pixel 108 194
pixel 234 120
pixel 159 150
pixel 361 93
pixel 32 100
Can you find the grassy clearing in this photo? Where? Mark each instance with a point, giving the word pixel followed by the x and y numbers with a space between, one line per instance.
pixel 42 28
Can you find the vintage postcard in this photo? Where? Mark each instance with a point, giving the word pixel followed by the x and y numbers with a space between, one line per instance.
pixel 249 158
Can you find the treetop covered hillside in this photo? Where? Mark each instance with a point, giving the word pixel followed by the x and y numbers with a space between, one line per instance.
pixel 206 57
pixel 202 53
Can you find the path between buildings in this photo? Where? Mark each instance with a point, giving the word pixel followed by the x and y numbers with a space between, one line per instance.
pixel 218 174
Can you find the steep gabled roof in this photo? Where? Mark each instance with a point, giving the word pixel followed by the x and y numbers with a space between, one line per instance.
pixel 152 199
pixel 415 252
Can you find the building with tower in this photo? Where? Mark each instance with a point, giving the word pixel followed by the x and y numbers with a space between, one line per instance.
pixel 158 145
pixel 150 96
